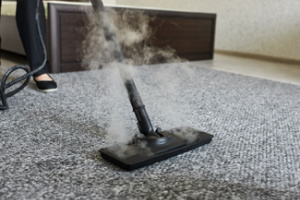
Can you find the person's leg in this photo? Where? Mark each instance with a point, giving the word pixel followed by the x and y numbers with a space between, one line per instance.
pixel 28 31
pixel 0 35
pixel 26 22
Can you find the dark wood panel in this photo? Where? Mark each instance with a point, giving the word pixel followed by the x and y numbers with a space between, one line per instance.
pixel 190 34
pixel 73 33
pixel 71 67
pixel 194 57
pixel 56 12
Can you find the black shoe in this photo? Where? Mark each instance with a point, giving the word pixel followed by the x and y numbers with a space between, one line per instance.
pixel 46 86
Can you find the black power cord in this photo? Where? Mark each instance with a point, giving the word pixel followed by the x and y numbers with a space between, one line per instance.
pixel 28 74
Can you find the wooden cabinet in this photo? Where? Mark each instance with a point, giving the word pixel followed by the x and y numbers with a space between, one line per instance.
pixel 191 35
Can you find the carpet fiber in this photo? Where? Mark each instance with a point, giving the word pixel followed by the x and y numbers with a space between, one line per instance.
pixel 49 142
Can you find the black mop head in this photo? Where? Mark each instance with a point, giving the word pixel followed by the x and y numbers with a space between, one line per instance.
pixel 151 149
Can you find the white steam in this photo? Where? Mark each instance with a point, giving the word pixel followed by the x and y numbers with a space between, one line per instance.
pixel 134 33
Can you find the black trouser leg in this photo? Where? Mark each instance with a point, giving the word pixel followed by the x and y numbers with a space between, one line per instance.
pixel 29 34
pixel 0 35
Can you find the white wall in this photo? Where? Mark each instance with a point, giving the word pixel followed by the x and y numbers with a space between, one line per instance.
pixel 109 1
pixel 264 27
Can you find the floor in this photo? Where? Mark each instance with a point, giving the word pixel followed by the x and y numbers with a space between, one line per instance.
pixel 288 73
pixel 282 72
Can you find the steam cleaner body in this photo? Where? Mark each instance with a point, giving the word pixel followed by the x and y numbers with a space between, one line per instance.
pixel 155 145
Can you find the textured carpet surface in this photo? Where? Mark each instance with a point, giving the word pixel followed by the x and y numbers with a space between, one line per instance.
pixel 49 142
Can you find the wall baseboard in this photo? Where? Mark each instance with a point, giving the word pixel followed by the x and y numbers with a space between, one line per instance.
pixel 258 57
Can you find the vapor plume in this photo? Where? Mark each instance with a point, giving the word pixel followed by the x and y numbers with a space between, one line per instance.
pixel 134 34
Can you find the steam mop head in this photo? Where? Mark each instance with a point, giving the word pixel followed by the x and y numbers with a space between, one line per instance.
pixel 151 149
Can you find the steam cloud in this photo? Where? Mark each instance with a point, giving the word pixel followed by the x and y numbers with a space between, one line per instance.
pixel 134 33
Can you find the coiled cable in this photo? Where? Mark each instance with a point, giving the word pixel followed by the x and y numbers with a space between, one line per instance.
pixel 28 74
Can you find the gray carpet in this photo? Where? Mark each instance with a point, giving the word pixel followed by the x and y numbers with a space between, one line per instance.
pixel 50 142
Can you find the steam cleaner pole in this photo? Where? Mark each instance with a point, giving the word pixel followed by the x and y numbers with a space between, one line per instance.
pixel 144 123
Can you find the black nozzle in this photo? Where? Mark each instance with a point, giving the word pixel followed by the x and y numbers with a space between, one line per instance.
pixel 144 123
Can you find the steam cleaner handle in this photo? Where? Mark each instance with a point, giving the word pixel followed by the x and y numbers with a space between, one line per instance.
pixel 144 123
